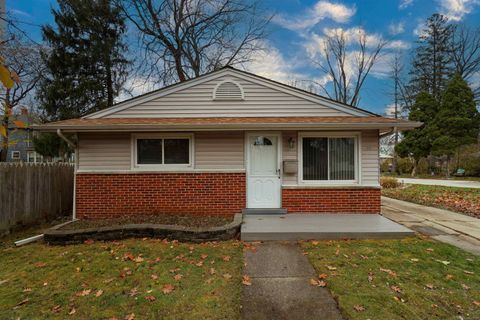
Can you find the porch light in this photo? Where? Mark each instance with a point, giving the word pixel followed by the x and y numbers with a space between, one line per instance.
pixel 291 143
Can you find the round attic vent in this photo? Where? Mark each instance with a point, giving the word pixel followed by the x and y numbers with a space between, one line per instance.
pixel 228 90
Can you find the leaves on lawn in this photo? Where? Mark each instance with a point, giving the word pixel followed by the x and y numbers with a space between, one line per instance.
pixel 40 264
pixel 468 272
pixel 167 288
pixel 318 283
pixel 72 311
pixel 226 258
pixel 323 276
pixel 57 308
pixel 429 286
pixel 154 277
pixel 359 308
pixel 151 298
pixel 396 289
pixel 227 276
pixel 203 256
pixel 84 293
pixel 98 293
pixel 390 272
pixel 21 303
pixel 89 241
pixel 212 271
pixel 133 292
pixel 130 316
pixel 177 277
pixel 331 268
pixel 246 280
pixel 465 287
pixel 445 262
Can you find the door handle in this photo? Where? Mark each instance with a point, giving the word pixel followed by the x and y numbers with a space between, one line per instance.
pixel 279 173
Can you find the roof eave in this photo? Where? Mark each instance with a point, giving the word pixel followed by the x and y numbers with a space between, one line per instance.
pixel 222 127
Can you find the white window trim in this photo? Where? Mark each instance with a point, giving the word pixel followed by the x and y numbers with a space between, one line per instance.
pixel 16 155
pixel 163 167
pixel 355 135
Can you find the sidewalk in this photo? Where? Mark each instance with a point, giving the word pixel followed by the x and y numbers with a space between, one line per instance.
pixel 446 226
pixel 280 285
pixel 441 182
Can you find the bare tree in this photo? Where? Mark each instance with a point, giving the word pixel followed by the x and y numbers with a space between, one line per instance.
pixel 466 51
pixel 182 39
pixel 347 68
pixel 22 58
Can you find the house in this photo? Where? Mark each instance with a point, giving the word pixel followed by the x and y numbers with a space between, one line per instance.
pixel 21 141
pixel 223 142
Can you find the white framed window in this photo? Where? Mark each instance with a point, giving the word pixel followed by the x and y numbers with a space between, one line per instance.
pixel 31 156
pixel 15 155
pixel 162 151
pixel 328 158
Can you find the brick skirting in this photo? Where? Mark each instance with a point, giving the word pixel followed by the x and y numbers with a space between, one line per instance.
pixel 311 200
pixel 113 195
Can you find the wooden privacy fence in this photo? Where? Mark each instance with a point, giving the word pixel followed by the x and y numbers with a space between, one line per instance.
pixel 32 193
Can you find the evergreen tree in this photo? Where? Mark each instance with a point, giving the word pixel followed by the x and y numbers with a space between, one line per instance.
pixel 417 143
pixel 457 122
pixel 432 64
pixel 86 65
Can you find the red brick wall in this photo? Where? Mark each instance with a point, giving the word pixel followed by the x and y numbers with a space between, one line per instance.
pixel 331 200
pixel 110 195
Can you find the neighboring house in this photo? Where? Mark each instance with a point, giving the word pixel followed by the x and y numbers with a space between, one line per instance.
pixel 226 141
pixel 21 142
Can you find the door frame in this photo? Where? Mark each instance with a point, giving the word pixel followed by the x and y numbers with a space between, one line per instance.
pixel 278 134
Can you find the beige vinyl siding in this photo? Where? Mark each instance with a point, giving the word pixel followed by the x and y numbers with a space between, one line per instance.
pixel 370 158
pixel 289 154
pixel 104 151
pixel 219 150
pixel 197 101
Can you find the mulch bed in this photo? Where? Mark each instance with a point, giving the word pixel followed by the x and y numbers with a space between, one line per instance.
pixel 190 221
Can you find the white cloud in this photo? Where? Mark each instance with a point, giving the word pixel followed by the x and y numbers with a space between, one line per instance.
pixel 135 87
pixel 398 45
pixel 390 110
pixel 396 28
pixel 456 9
pixel 320 11
pixel 405 4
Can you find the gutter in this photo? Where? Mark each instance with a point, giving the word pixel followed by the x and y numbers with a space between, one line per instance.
pixel 388 132
pixel 69 142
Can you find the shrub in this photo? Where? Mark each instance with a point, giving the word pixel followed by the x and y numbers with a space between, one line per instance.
pixel 405 165
pixel 389 182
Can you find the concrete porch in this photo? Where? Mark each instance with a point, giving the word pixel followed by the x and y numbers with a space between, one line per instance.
pixel 321 227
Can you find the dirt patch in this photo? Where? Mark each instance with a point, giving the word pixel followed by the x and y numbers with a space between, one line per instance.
pixel 190 221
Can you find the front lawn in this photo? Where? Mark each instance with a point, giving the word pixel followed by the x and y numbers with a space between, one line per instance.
pixel 398 279
pixel 134 279
pixel 462 200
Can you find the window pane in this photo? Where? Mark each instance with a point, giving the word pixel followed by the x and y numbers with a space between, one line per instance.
pixel 315 158
pixel 149 151
pixel 342 158
pixel 177 151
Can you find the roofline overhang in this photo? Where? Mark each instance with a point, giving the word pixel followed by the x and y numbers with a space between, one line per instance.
pixel 225 127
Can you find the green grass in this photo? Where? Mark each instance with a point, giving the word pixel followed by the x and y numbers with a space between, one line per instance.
pixel 428 275
pixel 462 200
pixel 49 280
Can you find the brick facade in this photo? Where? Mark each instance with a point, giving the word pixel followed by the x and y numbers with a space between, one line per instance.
pixel 322 200
pixel 110 195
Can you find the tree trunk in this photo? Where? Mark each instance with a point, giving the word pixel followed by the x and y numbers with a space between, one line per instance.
pixel 395 156
pixel 414 170
pixel 447 167
pixel 5 121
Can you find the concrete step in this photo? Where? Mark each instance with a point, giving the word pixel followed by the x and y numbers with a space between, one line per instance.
pixel 264 211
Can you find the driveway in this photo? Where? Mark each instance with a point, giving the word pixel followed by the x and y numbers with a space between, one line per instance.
pixel 446 226
pixel 438 182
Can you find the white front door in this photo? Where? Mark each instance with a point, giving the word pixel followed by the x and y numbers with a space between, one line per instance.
pixel 263 172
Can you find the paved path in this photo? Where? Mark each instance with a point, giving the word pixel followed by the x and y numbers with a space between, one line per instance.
pixel 280 276
pixel 438 182
pixel 443 225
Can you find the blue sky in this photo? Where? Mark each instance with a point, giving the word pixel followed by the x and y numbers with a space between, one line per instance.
pixel 298 27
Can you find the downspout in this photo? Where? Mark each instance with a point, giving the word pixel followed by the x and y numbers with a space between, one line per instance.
pixel 72 145
pixel 388 132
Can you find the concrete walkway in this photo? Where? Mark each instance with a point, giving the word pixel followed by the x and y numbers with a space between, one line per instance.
pixel 280 276
pixel 438 182
pixel 456 229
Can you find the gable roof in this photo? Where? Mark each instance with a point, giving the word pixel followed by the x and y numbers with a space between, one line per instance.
pixel 230 71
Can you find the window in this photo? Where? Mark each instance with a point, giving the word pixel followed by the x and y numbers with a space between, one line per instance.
pixel 163 151
pixel 31 157
pixel 328 158
pixel 15 155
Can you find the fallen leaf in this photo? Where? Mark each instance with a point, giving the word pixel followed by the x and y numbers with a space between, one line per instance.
pixel 318 283
pixel 204 256
pixel 212 271
pixel 465 287
pixel 359 308
pixel 390 272
pixel 477 303
pixel 414 260
pixel 167 288
pixel 57 308
pixel 138 259
pixel 429 286
pixel 246 280
pixel 199 264
pixel 98 293
pixel 396 289
pixel 88 241
pixel 315 243
pixel 40 264
pixel 72 311
pixel 323 276
pixel 84 293
pixel 150 298
pixel 154 277
pixel 370 277
pixel 331 268
pixel 130 316
pixel 227 276
pixel 27 290
pixel 226 258
pixel 177 277
pixel 449 276
pixel 445 262
pixel 468 272
pixel 21 303
pixel 429 249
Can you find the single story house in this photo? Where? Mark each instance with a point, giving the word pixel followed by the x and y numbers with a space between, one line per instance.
pixel 223 142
